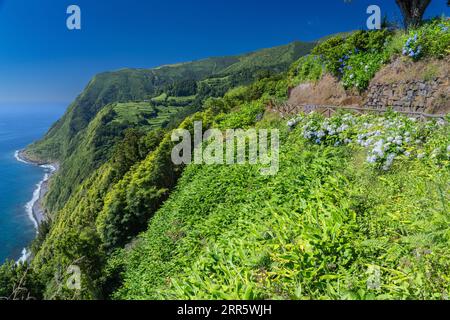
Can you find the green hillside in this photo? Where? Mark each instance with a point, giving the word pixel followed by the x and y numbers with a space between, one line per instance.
pixel 358 209
pixel 141 84
pixel 201 79
pixel 99 141
pixel 278 58
pixel 310 232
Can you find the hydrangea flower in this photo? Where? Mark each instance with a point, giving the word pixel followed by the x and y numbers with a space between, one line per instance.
pixel 443 27
pixel 383 138
pixel 412 48
pixel 372 159
pixel 389 160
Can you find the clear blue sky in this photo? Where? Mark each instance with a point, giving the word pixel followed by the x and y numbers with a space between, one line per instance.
pixel 42 61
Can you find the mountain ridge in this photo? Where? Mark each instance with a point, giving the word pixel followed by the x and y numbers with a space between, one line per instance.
pixel 139 226
pixel 130 84
pixel 205 78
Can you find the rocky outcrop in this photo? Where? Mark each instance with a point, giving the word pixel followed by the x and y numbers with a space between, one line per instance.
pixel 411 95
pixel 403 85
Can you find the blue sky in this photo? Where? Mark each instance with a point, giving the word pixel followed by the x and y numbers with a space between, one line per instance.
pixel 42 61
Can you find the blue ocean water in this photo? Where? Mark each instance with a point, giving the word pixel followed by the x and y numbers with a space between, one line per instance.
pixel 19 126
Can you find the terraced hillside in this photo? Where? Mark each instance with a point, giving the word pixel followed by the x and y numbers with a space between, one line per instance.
pixel 166 88
pixel 358 209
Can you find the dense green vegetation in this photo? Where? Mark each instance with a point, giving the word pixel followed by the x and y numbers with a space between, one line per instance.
pixel 98 193
pixel 98 141
pixel 140 84
pixel 310 232
pixel 170 94
pixel 355 195
pixel 18 282
pixel 355 58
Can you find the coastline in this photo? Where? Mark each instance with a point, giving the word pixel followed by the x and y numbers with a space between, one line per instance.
pixel 34 207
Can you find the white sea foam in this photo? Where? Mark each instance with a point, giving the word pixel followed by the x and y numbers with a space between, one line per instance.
pixel 18 158
pixel 25 256
pixel 50 167
pixel 36 195
pixel 30 204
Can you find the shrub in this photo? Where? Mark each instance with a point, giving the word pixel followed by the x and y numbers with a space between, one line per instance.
pixel 246 116
pixel 413 48
pixel 432 39
pixel 19 282
pixel 336 51
pixel 361 68
pixel 383 138
pixel 308 68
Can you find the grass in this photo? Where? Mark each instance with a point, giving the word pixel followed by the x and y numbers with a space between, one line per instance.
pixel 144 114
pixel 316 230
pixel 161 98
pixel 431 72
pixel 346 217
pixel 181 100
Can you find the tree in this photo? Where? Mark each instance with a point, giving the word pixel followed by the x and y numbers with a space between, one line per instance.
pixel 19 282
pixel 413 11
pixel 126 154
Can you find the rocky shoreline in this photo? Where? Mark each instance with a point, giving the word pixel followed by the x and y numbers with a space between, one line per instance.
pixel 36 205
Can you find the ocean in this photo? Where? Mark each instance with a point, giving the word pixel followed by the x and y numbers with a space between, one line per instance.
pixel 20 125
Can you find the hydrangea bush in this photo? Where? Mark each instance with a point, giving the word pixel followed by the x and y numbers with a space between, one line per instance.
pixel 412 47
pixel 356 58
pixel 361 68
pixel 432 39
pixel 384 138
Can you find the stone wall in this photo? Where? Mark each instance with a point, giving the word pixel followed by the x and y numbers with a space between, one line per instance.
pixel 412 95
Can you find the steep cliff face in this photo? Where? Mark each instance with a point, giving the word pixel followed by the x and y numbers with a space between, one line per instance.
pixel 346 185
pixel 140 84
pixel 210 77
